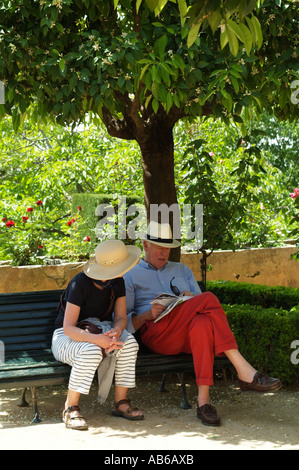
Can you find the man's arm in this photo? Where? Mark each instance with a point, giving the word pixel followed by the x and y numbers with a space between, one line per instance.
pixel 139 320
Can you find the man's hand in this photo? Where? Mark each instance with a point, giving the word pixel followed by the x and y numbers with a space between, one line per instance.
pixel 186 293
pixel 155 311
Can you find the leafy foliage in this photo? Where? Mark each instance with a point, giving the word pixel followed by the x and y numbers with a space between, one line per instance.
pixel 74 57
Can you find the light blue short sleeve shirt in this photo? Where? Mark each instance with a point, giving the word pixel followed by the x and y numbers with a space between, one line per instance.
pixel 144 282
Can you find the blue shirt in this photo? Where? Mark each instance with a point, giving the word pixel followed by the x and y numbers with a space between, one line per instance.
pixel 144 282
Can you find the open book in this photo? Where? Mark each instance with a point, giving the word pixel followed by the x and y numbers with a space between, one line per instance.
pixel 170 301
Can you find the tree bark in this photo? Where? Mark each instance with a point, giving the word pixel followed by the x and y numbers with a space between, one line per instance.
pixel 155 138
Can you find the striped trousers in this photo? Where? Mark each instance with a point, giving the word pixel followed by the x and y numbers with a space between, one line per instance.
pixel 85 358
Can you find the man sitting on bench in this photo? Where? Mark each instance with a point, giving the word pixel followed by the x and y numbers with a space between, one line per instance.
pixel 197 326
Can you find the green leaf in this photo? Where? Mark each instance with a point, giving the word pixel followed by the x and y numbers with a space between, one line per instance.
pixel 233 42
pixel 169 102
pixel 246 38
pixel 183 10
pixel 155 105
pixel 214 20
pixel 193 33
pixel 62 65
pixel 258 31
pixel 159 46
pixel 138 3
pixel 152 4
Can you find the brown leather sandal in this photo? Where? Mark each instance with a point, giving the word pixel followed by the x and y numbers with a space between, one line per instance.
pixel 128 414
pixel 73 420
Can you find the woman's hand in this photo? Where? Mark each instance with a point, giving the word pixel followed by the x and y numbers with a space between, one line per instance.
pixel 109 343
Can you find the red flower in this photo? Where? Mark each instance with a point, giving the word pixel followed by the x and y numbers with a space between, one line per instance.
pixel 10 223
pixel 4 219
pixel 25 218
pixel 30 209
pixel 79 208
pixel 39 203
pixel 70 222
pixel 40 247
pixel 295 193
pixel 86 239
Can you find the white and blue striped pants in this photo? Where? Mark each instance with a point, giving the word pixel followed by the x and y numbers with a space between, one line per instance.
pixel 85 358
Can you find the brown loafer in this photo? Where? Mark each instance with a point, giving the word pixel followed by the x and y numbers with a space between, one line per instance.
pixel 261 383
pixel 208 415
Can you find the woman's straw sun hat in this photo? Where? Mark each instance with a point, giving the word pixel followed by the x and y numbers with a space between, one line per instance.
pixel 112 259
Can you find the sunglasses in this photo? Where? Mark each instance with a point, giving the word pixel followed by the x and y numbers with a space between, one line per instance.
pixel 174 289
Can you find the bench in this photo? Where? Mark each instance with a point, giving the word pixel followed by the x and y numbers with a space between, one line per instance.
pixel 26 327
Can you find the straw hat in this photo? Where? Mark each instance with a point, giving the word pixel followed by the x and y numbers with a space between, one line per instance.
pixel 160 234
pixel 112 259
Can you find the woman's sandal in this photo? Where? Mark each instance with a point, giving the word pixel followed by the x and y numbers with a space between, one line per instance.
pixel 73 420
pixel 128 414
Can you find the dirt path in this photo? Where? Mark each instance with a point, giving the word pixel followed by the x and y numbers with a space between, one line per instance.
pixel 249 421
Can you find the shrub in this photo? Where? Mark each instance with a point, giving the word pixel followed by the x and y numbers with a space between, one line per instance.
pixel 265 336
pixel 229 292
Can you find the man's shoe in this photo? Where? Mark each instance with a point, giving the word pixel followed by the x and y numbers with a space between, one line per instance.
pixel 261 383
pixel 208 415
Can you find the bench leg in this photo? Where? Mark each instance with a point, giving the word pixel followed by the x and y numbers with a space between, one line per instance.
pixel 185 403
pixel 23 403
pixel 36 418
pixel 162 388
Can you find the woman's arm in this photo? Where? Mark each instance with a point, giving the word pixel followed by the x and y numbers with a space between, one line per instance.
pixel 70 329
pixel 120 319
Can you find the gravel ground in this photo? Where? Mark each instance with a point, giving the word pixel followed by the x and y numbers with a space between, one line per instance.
pixel 249 420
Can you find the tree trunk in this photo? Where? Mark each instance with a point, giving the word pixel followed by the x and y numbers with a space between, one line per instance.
pixel 157 150
pixel 155 138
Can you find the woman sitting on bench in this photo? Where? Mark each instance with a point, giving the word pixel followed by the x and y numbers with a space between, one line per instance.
pixel 87 332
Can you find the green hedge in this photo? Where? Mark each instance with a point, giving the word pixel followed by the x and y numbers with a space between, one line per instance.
pixel 265 322
pixel 264 337
pixel 229 292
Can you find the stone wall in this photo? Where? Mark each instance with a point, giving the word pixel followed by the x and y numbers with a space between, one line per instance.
pixel 270 266
pixel 261 266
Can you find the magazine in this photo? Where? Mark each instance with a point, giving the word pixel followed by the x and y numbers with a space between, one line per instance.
pixel 170 301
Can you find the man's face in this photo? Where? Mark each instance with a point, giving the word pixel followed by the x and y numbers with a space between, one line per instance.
pixel 156 255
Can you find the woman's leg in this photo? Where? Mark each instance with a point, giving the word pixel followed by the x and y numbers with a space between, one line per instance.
pixel 125 373
pixel 84 358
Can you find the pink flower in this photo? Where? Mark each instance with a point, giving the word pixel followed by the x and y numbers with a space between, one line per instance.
pixel 86 239
pixel 295 193
pixel 10 223
pixel 211 154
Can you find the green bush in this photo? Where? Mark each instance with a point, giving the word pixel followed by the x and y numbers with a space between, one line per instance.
pixel 265 336
pixel 229 292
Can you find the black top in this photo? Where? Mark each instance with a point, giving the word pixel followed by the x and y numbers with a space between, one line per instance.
pixel 92 301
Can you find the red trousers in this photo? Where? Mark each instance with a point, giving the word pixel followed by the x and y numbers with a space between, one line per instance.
pixel 199 327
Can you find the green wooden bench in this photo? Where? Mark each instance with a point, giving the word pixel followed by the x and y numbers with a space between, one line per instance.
pixel 26 327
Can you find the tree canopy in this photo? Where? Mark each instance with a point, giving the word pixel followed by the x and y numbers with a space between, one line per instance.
pixel 140 72
pixel 79 55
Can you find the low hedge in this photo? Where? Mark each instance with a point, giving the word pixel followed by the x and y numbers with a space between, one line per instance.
pixel 229 292
pixel 264 338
